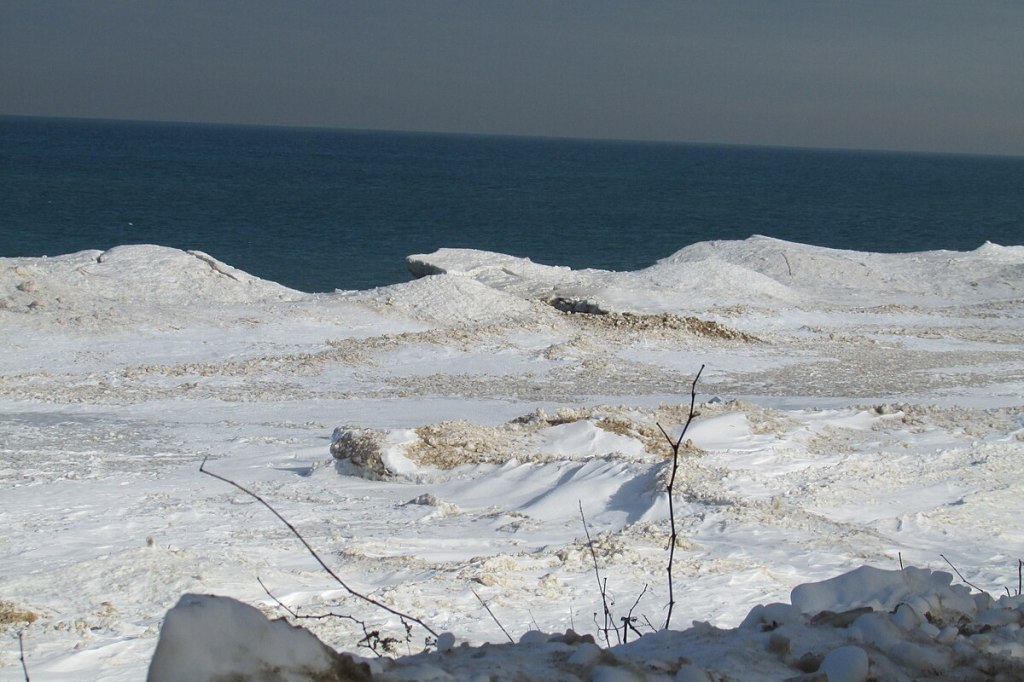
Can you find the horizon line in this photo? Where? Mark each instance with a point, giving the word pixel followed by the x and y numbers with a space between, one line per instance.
pixel 620 140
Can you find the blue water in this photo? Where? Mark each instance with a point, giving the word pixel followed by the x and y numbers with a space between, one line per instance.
pixel 323 209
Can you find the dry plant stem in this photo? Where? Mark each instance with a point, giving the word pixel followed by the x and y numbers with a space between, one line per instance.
pixel 368 635
pixel 491 614
pixel 369 600
pixel 628 619
pixel 961 575
pixel 602 586
pixel 318 616
pixel 674 444
pixel 20 648
pixel 1020 579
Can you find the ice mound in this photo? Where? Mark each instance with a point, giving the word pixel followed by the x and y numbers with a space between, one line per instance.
pixel 519 277
pixel 127 282
pixel 995 252
pixel 821 274
pixel 755 271
pixel 480 264
pixel 450 299
pixel 458 286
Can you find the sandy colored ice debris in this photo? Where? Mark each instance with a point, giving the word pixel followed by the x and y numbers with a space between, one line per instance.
pixel 13 615
pixel 449 444
pixel 452 443
pixel 592 316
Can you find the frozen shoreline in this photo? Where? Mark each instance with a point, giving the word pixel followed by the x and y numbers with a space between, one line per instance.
pixel 868 406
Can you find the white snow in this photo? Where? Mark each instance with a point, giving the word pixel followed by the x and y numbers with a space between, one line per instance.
pixel 859 433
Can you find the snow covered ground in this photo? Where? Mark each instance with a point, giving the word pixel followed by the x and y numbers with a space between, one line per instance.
pixel 855 410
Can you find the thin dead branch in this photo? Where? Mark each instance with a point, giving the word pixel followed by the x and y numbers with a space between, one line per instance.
pixel 308 616
pixel 21 653
pixel 1020 579
pixel 533 620
pixel 491 614
pixel 602 585
pixel 404 617
pixel 371 638
pixel 674 444
pixel 966 582
pixel 629 619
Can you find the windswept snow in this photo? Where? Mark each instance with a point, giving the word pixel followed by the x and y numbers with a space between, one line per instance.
pixel 437 441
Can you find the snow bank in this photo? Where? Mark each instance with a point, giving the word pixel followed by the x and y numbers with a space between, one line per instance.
pixel 212 638
pixel 926 591
pixel 207 639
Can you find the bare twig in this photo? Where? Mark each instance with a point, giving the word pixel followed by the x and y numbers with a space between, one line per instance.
pixel 491 614
pixel 629 618
pixel 674 444
pixel 960 574
pixel 371 638
pixel 373 641
pixel 533 620
pixel 21 651
pixel 309 616
pixel 602 586
pixel 370 600
pixel 276 600
pixel 1020 579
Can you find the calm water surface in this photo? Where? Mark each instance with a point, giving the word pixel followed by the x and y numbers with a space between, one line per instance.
pixel 324 209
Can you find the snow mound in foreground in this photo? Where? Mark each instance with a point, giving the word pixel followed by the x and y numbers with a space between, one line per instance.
pixel 866 624
pixel 217 638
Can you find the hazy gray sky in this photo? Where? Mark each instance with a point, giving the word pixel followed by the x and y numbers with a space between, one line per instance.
pixel 933 75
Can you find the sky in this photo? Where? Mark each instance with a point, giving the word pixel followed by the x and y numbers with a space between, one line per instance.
pixel 927 75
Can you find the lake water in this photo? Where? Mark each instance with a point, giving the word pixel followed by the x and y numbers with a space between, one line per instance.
pixel 324 209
